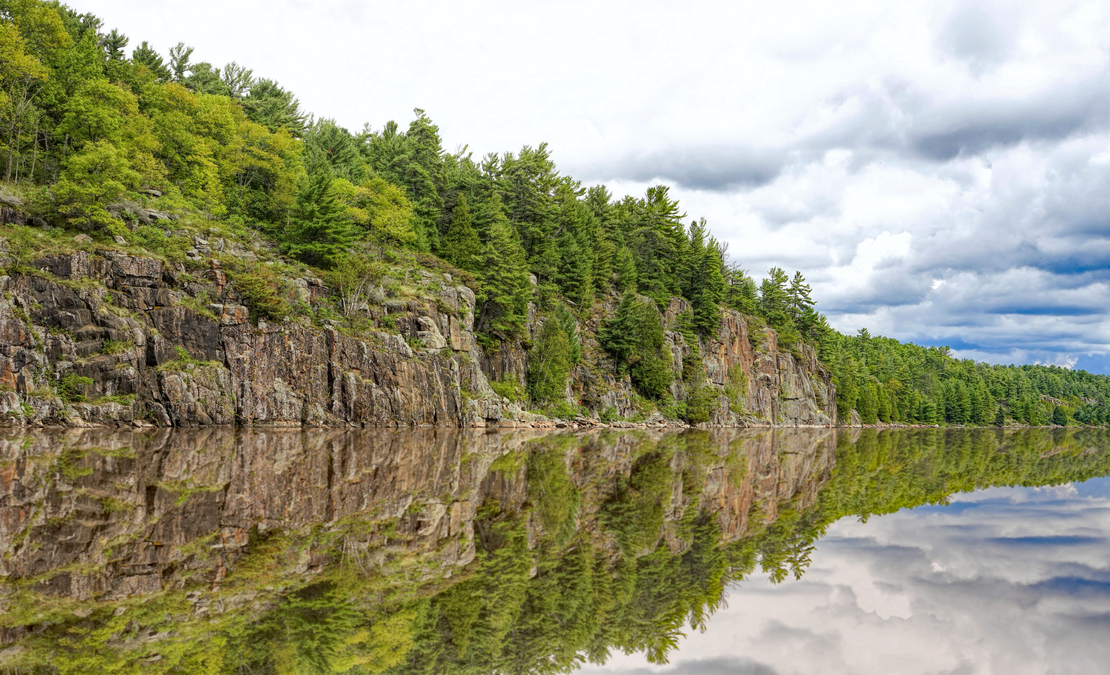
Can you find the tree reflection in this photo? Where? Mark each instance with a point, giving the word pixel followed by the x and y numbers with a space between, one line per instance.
pixel 582 544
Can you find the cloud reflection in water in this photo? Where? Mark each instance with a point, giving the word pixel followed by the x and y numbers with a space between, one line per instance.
pixel 1000 581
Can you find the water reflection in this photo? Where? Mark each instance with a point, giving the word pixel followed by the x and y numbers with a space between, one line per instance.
pixel 439 550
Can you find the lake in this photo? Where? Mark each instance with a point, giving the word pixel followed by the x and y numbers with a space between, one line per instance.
pixel 631 551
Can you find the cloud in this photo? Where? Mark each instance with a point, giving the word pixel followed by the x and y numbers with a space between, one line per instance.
pixel 981 38
pixel 719 666
pixel 1003 580
pixel 699 168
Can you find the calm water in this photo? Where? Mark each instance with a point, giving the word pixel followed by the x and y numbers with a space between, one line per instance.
pixel 918 551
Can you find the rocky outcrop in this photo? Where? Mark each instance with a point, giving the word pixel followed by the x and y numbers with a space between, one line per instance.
pixel 112 338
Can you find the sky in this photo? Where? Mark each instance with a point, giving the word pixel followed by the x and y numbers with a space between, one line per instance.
pixel 939 171
pixel 1011 581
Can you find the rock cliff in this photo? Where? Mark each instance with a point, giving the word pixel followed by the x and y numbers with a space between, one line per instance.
pixel 106 337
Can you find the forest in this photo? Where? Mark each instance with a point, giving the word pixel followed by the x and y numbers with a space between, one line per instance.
pixel 103 136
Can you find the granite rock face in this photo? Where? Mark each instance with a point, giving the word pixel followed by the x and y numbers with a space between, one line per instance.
pixel 111 338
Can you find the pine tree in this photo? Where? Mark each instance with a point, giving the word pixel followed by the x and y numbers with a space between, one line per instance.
pixel 320 230
pixel 626 273
pixel 869 403
pixel 1059 417
pixel 179 61
pixel 801 305
pixel 634 339
pixel 145 55
pixel 705 284
pixel 460 244
pixel 505 285
pixel 114 44
pixel 774 298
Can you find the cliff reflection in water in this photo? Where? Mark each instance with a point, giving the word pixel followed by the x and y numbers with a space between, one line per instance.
pixel 438 550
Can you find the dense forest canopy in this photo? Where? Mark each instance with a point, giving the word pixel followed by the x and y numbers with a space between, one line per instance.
pixel 92 135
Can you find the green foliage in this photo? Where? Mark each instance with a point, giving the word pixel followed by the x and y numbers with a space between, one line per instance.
pixel 320 230
pixel 736 390
pixel 634 340
pixel 552 357
pixel 116 346
pixel 699 404
pixel 509 387
pixel 460 245
pixel 505 285
pixel 71 388
pixel 263 292
pixel 635 511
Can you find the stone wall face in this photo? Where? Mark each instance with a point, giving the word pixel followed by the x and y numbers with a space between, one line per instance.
pixel 165 347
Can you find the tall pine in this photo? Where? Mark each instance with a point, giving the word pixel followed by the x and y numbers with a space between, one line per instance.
pixel 505 285
pixel 460 244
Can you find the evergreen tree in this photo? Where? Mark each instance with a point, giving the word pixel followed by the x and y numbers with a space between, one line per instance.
pixel 634 339
pixel 274 108
pixel 774 298
pixel 114 44
pixel 549 362
pixel 1059 417
pixel 625 269
pixel 145 55
pixel 319 230
pixel 460 244
pixel 869 403
pixel 179 61
pixel 237 80
pixel 505 285
pixel 801 305
pixel 705 284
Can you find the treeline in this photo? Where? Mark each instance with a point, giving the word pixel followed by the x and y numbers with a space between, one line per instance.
pixel 93 136
pixel 889 381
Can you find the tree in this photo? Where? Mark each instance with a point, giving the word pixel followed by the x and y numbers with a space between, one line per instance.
pixel 505 285
pixel 114 44
pixel 330 147
pixel 1059 417
pixel 237 80
pixel 145 55
pixel 549 362
pixel 379 208
pixel 634 340
pixel 705 285
pixel 460 245
pixel 204 78
pixel 274 108
pixel 21 78
pixel 869 403
pixel 774 298
pixel 625 268
pixel 179 61
pixel 320 231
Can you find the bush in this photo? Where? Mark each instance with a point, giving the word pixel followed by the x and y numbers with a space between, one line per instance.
pixel 508 387
pixel 261 291
pixel 71 388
